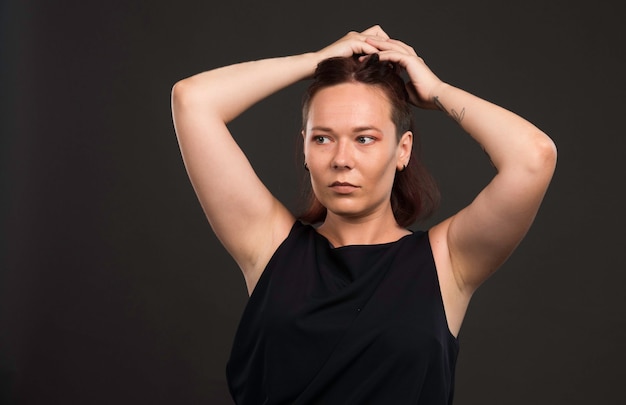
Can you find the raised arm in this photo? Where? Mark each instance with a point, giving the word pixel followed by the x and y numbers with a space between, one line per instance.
pixel 482 235
pixel 473 243
pixel 244 215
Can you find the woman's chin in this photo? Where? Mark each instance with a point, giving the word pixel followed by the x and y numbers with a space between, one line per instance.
pixel 349 212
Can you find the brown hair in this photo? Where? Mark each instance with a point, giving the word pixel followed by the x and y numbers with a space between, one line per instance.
pixel 414 194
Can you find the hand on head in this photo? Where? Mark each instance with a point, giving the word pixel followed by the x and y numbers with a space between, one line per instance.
pixel 374 40
pixel 354 43
pixel 422 81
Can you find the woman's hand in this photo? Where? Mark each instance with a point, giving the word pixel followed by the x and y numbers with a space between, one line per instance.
pixel 422 82
pixel 355 43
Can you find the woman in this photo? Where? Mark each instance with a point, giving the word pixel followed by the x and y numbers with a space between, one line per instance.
pixel 356 309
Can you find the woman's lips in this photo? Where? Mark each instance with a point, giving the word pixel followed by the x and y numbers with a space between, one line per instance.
pixel 343 187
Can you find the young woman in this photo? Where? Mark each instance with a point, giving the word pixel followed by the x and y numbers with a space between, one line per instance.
pixel 348 306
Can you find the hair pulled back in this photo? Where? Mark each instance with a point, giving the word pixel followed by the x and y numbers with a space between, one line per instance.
pixel 414 195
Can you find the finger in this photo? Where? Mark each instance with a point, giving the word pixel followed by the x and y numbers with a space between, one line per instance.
pixel 409 49
pixel 393 56
pixel 360 46
pixel 376 31
pixel 392 45
pixel 364 47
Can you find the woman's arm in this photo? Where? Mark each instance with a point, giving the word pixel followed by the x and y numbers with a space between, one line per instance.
pixel 483 235
pixel 473 243
pixel 244 215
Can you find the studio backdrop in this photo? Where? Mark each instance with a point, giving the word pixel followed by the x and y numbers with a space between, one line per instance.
pixel 113 288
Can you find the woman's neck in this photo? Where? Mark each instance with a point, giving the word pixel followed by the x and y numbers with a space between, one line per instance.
pixel 342 231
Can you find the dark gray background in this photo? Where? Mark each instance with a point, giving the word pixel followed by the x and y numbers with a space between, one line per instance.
pixel 113 287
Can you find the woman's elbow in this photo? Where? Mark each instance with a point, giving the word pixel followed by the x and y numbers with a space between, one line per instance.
pixel 182 92
pixel 544 155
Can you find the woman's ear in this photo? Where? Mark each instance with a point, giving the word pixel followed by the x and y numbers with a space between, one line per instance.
pixel 405 146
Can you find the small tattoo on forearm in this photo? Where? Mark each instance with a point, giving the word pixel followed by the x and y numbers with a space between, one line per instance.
pixel 458 117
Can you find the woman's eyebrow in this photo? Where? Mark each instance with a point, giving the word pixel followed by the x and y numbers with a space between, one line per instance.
pixel 322 129
pixel 362 128
pixel 366 128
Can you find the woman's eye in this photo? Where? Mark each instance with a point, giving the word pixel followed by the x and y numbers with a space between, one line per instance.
pixel 321 139
pixel 365 140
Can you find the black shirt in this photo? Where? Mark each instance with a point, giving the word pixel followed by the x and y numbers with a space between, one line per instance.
pixel 360 324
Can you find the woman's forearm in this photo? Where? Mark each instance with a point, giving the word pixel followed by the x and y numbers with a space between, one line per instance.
pixel 228 91
pixel 510 141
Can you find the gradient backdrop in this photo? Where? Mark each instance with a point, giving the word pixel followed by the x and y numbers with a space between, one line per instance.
pixel 113 289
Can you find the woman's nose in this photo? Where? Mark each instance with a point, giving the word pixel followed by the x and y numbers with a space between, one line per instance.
pixel 343 157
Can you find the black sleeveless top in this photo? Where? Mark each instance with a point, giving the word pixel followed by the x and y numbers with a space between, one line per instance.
pixel 361 324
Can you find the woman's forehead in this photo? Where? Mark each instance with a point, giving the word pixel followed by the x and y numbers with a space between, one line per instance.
pixel 350 104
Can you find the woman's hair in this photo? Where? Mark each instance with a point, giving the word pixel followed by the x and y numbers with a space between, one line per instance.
pixel 414 194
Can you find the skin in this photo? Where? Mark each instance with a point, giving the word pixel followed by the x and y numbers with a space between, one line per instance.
pixel 251 223
pixel 354 143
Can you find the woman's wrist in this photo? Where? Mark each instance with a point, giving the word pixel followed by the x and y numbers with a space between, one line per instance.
pixel 310 61
pixel 440 97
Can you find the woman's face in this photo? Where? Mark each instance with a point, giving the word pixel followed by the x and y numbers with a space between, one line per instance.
pixel 352 151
